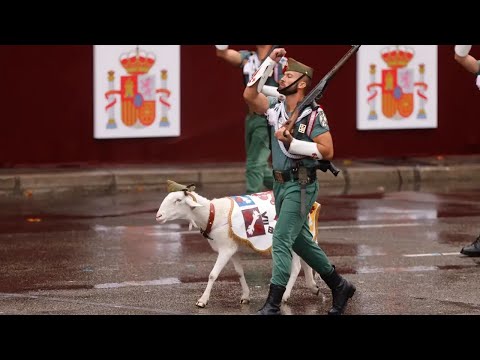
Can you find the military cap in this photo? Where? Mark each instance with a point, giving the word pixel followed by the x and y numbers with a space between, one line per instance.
pixel 172 186
pixel 294 65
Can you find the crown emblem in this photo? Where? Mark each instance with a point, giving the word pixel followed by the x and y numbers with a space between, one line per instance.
pixel 397 56
pixel 137 62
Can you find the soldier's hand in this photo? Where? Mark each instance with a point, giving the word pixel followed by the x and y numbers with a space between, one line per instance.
pixel 462 50
pixel 278 54
pixel 283 135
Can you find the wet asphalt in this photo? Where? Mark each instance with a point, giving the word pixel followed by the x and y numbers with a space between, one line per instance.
pixel 106 255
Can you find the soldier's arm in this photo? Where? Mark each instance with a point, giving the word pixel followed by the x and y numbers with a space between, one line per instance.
pixel 322 146
pixel 325 145
pixel 257 102
pixel 229 55
pixel 467 61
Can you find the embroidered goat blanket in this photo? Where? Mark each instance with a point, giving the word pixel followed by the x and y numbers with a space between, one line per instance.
pixel 253 218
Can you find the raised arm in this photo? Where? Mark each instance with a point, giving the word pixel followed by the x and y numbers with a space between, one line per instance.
pixel 256 101
pixel 467 61
pixel 229 55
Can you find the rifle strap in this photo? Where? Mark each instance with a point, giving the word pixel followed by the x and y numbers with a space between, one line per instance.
pixel 269 128
pixel 311 121
pixel 302 180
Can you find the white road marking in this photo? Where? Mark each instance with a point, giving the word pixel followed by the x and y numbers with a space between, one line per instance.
pixel 165 281
pixel 369 226
pixel 381 270
pixel 432 254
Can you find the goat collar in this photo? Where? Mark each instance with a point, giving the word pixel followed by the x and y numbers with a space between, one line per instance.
pixel 211 218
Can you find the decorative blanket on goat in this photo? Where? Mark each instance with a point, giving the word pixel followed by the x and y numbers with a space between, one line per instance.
pixel 253 218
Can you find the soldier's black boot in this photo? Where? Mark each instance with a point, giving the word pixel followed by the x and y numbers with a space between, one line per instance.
pixel 274 300
pixel 472 250
pixel 342 290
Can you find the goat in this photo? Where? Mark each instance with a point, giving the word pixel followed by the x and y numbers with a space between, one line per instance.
pixel 183 203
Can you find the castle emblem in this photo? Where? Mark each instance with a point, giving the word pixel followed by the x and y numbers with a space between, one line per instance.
pixel 398 85
pixel 138 92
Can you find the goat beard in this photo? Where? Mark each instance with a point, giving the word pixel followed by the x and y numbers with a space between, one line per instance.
pixel 192 225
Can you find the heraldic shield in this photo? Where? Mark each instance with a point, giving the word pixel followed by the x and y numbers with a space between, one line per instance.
pixel 397 92
pixel 138 99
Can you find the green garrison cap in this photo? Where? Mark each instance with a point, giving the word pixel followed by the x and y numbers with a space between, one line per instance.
pixel 294 65
pixel 172 186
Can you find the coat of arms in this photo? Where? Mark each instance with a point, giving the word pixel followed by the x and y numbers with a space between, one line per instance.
pixel 138 92
pixel 398 85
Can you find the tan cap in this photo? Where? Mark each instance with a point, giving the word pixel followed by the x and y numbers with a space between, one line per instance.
pixel 294 65
pixel 172 186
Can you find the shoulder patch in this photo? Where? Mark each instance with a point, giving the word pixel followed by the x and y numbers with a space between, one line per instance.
pixel 323 119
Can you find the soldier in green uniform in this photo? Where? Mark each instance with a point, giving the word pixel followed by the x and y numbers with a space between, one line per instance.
pixel 258 172
pixel 472 65
pixel 294 161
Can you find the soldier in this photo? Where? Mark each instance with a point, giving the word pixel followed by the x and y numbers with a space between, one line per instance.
pixel 294 173
pixel 258 172
pixel 472 65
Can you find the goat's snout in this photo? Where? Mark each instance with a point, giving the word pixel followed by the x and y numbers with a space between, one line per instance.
pixel 160 218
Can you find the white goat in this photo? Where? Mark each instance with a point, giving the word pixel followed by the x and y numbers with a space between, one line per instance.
pixel 182 203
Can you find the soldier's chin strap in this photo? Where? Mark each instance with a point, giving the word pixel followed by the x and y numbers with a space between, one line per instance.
pixel 287 91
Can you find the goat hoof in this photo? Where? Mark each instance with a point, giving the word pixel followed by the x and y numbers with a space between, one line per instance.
pixel 245 301
pixel 201 304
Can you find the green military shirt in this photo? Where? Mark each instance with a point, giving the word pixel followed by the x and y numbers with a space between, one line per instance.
pixel 279 160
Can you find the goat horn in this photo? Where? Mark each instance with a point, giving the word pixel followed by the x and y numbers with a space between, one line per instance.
pixel 172 186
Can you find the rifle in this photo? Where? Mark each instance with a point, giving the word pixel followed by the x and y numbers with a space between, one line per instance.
pixel 326 165
pixel 314 95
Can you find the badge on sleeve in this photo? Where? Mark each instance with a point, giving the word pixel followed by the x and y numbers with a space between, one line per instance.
pixel 323 119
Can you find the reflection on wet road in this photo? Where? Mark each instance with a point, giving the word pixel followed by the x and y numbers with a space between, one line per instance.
pixel 107 255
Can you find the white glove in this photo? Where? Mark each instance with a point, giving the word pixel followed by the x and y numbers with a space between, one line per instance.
pixel 272 91
pixel 478 82
pixel 221 47
pixel 462 50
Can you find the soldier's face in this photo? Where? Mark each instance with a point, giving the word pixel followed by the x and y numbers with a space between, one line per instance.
pixel 287 80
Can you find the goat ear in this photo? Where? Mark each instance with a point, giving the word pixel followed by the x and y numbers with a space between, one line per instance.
pixel 190 202
pixel 191 187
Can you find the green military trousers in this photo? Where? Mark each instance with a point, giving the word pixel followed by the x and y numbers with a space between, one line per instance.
pixel 292 232
pixel 258 172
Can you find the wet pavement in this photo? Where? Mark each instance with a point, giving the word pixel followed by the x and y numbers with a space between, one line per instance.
pixel 105 254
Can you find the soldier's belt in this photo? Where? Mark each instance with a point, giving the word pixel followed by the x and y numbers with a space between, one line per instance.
pixel 292 175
